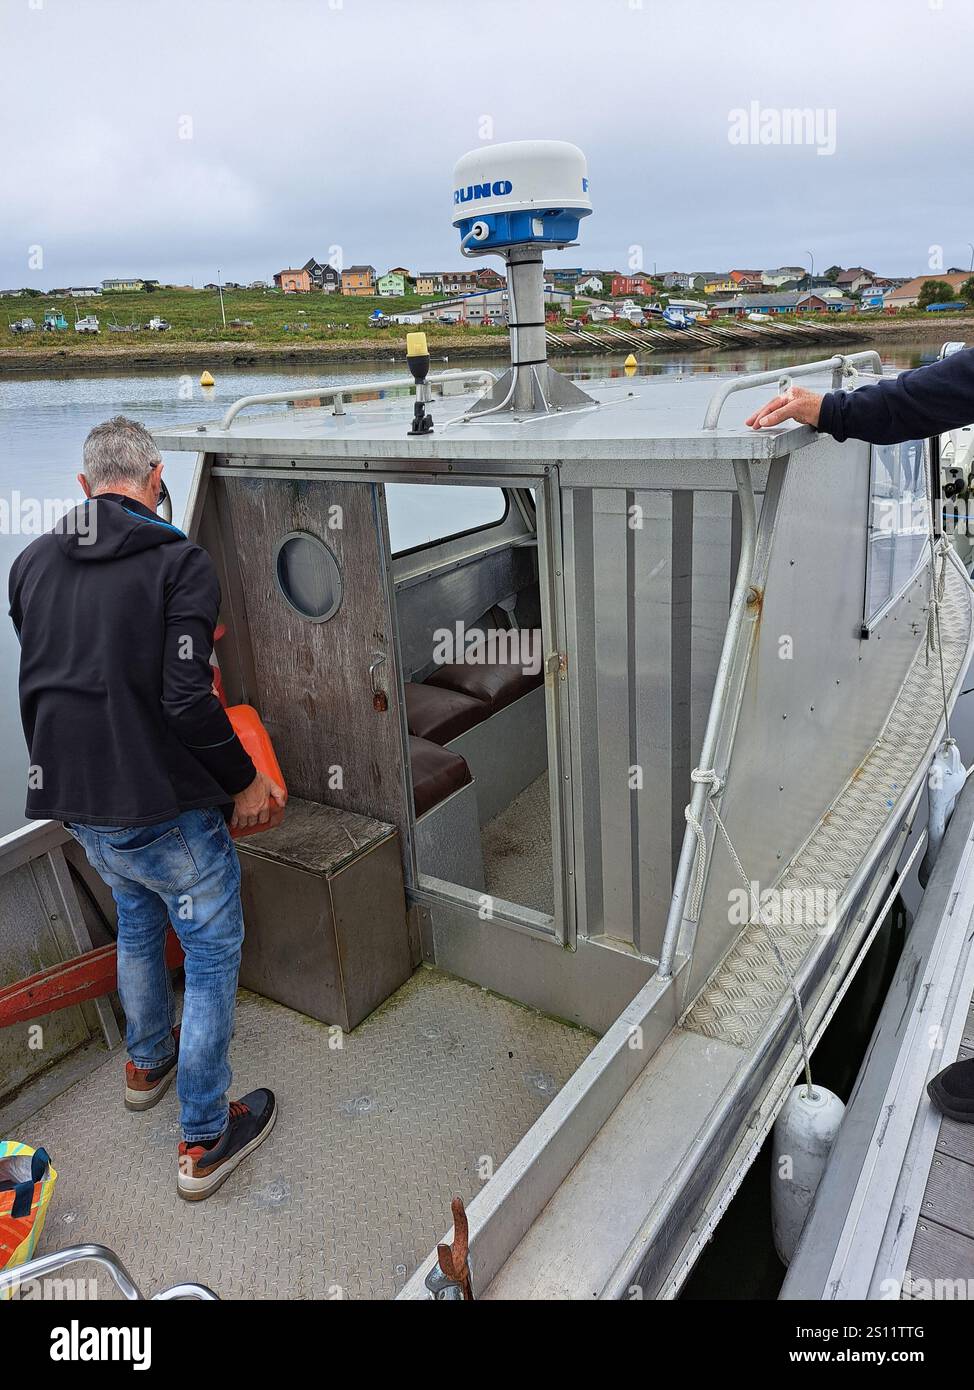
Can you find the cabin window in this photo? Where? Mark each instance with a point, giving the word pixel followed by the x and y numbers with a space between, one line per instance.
pixel 899 521
pixel 308 576
pixel 423 516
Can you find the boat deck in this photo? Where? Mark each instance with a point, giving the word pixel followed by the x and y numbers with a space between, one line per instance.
pixel 420 1104
pixel 943 1247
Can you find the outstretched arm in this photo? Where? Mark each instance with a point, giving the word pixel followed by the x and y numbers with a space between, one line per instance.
pixel 914 405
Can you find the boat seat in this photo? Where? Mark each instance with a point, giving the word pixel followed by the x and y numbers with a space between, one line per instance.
pixel 496 684
pixel 433 712
pixel 437 773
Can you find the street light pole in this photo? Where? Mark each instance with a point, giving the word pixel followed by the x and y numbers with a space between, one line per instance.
pixel 812 260
pixel 219 281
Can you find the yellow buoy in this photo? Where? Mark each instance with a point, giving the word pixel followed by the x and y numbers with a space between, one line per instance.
pixel 630 361
pixel 207 380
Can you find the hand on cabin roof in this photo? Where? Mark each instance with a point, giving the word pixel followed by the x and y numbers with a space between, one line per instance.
pixel 795 404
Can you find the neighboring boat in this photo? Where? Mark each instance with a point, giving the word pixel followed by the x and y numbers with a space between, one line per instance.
pixel 23 325
pixel 607 711
pixel 86 323
pixel 54 322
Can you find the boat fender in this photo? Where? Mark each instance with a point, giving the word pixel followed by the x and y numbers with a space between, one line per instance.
pixel 945 779
pixel 803 1136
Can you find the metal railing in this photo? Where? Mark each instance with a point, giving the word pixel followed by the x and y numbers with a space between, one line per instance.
pixel 338 394
pixel 106 1259
pixel 840 366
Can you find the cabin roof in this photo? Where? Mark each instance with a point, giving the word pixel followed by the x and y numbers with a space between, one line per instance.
pixel 643 418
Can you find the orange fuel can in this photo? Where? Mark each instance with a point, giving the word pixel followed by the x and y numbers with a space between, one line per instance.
pixel 257 741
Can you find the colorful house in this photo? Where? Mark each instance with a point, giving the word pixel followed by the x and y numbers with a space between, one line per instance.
pixel 630 284
pixel 293 281
pixel 392 284
pixel 358 280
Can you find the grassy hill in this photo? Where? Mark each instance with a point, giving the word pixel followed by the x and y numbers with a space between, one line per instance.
pixel 273 318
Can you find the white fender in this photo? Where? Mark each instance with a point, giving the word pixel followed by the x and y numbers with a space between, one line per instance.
pixel 945 780
pixel 804 1133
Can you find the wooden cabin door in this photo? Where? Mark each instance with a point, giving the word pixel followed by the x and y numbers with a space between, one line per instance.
pixel 325 680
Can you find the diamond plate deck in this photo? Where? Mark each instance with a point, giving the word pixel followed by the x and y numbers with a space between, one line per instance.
pixel 353 1188
pixel 743 991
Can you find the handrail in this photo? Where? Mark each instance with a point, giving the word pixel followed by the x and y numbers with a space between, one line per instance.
pixel 839 365
pixel 702 790
pixel 107 1259
pixel 337 394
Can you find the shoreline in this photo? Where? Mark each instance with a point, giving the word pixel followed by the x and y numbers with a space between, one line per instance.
pixel 104 356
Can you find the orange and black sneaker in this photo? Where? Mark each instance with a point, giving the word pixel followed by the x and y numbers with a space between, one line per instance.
pixel 202 1167
pixel 146 1086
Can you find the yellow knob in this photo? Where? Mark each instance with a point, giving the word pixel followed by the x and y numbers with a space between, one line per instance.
pixel 416 345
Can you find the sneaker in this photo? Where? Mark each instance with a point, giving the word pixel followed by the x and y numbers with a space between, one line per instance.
pixel 952 1091
pixel 146 1086
pixel 202 1168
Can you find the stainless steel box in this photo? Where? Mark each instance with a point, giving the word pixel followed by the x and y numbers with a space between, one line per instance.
pixel 325 913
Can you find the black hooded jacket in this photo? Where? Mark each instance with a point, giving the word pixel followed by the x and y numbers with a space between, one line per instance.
pixel 115 610
pixel 914 405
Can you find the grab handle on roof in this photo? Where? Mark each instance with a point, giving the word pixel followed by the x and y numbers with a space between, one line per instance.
pixel 337 394
pixel 840 366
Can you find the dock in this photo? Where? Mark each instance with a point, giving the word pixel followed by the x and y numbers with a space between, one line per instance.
pixel 894 1214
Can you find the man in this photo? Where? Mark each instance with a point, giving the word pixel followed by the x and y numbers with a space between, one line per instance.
pixel 913 405
pixel 115 610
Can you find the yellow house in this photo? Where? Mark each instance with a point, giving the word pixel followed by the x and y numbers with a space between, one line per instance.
pixel 723 286
pixel 358 279
pixel 429 283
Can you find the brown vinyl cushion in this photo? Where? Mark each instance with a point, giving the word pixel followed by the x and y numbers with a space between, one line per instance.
pixel 439 714
pixel 495 683
pixel 437 773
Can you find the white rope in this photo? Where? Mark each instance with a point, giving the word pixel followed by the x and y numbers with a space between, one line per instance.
pixel 709 777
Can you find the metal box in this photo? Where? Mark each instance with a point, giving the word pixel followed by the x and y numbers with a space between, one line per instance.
pixel 325 913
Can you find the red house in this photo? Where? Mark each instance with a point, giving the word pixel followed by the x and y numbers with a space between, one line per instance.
pixel 631 284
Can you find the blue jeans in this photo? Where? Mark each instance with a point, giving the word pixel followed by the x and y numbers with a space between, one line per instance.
pixel 183 871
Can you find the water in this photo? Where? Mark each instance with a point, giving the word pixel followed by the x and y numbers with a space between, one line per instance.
pixel 44 420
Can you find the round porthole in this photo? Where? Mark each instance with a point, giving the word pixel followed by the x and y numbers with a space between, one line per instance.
pixel 308 576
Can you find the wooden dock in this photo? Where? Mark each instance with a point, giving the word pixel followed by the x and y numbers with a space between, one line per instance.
pixel 943 1247
pixel 894 1213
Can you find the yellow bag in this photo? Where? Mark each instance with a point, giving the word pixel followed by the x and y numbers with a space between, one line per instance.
pixel 26 1183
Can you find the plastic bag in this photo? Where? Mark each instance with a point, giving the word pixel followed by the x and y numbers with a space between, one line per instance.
pixel 26 1183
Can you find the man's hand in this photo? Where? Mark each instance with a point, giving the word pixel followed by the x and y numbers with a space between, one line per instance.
pixel 262 803
pixel 796 404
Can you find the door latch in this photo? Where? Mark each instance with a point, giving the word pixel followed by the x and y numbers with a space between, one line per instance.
pixel 556 661
pixel 380 700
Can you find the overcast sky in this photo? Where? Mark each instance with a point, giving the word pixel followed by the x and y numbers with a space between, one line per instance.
pixel 315 124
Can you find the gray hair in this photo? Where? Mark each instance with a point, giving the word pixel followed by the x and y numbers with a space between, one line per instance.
pixel 119 451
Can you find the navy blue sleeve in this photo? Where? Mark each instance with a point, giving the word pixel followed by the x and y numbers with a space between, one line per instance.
pixel 913 405
pixel 192 711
